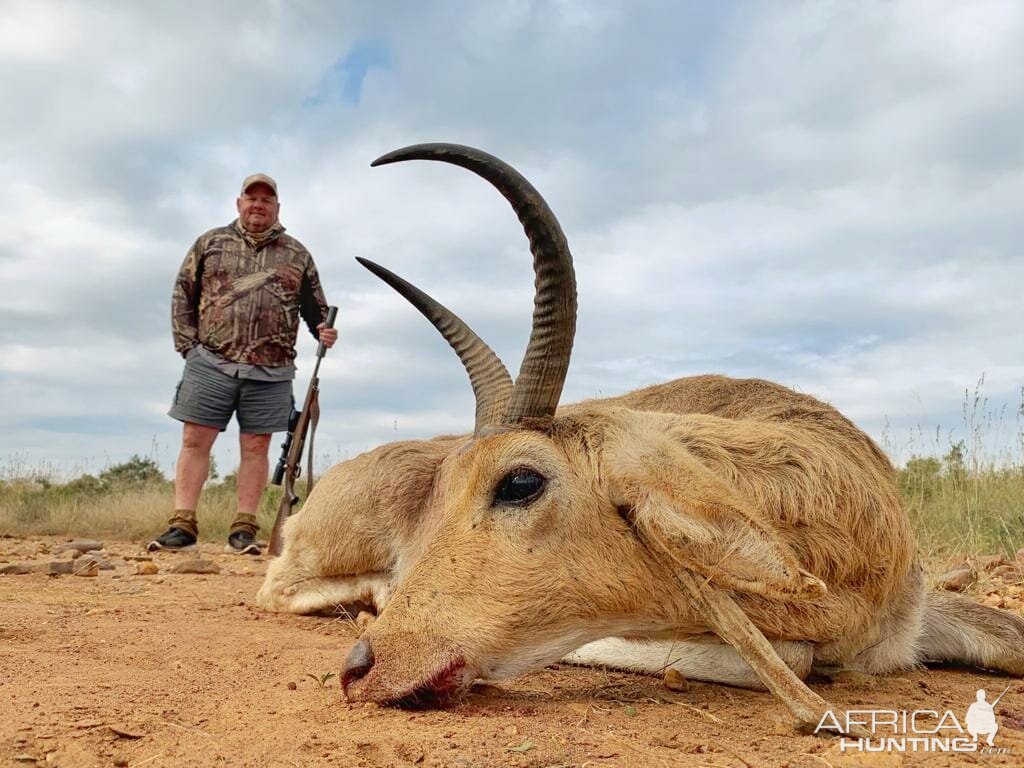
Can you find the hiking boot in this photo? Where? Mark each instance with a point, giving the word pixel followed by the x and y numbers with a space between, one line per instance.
pixel 173 539
pixel 242 543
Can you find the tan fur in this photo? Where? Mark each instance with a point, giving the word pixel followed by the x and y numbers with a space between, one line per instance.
pixel 763 491
pixel 362 526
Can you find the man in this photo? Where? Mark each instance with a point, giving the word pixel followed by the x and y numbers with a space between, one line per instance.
pixel 235 314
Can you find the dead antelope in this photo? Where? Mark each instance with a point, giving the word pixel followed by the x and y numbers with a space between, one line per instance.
pixel 711 524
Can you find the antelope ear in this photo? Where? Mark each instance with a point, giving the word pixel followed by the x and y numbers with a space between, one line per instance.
pixel 690 517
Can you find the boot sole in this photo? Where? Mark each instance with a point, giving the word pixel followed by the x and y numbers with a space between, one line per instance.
pixel 154 545
pixel 248 549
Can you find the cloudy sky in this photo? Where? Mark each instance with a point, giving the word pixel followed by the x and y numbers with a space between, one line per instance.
pixel 828 195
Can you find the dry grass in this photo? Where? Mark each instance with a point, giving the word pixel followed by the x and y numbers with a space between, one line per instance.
pixel 964 497
pixel 132 513
pixel 965 512
pixel 954 510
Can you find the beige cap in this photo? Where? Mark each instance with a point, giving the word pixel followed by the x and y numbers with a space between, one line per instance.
pixel 259 178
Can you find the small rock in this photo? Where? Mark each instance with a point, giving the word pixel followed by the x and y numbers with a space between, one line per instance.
pixel 146 569
pixel 1007 572
pixel 364 619
pixel 120 762
pixel 199 565
pixel 989 562
pixel 19 569
pixel 674 681
pixel 100 561
pixel 291 685
pixel 88 567
pixel 82 545
pixel 24 758
pixel 958 579
pixel 511 731
pixel 995 600
pixel 138 558
pixel 125 733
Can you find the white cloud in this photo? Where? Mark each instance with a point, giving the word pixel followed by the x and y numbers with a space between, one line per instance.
pixel 824 194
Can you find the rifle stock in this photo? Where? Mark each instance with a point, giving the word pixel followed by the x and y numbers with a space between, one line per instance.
pixel 289 466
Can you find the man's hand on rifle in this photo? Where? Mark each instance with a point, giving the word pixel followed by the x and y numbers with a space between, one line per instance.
pixel 327 335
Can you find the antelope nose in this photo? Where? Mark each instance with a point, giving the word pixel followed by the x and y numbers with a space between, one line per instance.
pixel 358 662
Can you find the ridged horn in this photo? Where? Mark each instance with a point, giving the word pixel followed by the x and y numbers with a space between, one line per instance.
pixel 546 361
pixel 491 382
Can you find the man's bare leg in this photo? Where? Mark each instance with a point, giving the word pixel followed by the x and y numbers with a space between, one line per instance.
pixel 253 469
pixel 189 475
pixel 193 464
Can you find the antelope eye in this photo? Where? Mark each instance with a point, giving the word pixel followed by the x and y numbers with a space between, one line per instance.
pixel 520 486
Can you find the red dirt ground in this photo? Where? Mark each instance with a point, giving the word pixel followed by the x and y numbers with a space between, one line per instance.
pixel 182 670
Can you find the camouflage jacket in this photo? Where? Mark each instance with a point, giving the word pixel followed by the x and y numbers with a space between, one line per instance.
pixel 242 300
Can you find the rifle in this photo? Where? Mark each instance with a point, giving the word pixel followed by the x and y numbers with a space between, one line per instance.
pixel 289 466
pixel 1000 696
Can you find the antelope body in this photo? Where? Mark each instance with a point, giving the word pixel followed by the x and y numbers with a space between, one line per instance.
pixel 622 531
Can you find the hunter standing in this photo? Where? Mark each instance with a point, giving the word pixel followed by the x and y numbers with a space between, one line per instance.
pixel 235 315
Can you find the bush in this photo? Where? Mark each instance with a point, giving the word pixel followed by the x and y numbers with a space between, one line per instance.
pixel 135 472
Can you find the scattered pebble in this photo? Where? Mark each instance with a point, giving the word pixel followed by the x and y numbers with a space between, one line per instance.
pixel 199 565
pixel 1008 572
pixel 88 567
pixel 56 567
pixel 990 562
pixel 100 560
pixel 146 568
pixel 82 545
pixel 364 619
pixel 674 681
pixel 125 733
pixel 958 579
pixel 292 686
pixel 18 569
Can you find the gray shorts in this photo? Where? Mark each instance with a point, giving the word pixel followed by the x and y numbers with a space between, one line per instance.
pixel 208 397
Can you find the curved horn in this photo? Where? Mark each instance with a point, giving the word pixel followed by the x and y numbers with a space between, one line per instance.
pixel 491 382
pixel 546 361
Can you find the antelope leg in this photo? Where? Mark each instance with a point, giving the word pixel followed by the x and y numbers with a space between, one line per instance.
pixel 730 623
